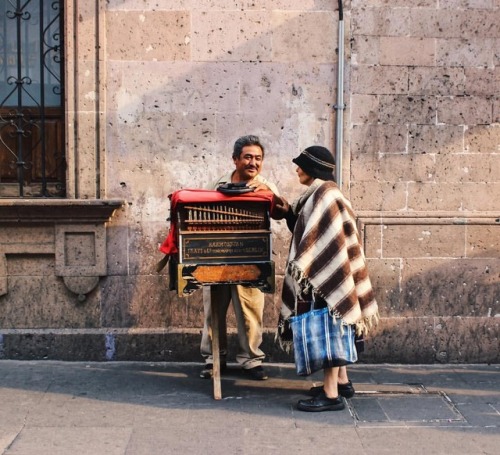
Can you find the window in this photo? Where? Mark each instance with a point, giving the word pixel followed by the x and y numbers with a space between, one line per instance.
pixel 32 146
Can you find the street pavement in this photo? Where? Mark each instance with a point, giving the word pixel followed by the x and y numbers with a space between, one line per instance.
pixel 138 408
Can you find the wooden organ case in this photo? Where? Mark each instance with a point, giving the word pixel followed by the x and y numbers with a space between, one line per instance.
pixel 220 239
pixel 224 243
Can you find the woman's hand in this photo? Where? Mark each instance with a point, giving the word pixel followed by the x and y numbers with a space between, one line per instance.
pixel 280 207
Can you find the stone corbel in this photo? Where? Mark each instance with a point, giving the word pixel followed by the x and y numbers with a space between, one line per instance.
pixel 80 256
pixel 79 242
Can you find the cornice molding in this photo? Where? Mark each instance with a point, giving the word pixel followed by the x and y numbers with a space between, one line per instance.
pixel 49 211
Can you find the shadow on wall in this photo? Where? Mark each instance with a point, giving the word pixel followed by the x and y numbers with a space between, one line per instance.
pixel 172 124
pixel 449 313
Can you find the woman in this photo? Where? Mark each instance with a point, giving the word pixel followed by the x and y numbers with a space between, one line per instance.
pixel 325 268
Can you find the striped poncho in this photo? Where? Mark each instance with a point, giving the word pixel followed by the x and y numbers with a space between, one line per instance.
pixel 326 259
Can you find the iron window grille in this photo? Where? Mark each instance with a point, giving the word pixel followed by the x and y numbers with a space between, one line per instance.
pixel 32 152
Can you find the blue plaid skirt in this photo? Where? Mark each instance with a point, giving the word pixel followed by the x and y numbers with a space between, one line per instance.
pixel 320 341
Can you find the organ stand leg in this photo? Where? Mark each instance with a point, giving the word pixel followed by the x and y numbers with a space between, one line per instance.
pixel 215 344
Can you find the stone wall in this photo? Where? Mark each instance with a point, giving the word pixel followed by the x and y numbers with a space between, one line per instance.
pixel 162 90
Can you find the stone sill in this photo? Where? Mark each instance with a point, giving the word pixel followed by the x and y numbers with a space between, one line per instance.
pixel 49 211
pixel 428 217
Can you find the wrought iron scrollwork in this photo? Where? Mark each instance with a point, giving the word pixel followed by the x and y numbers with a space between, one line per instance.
pixel 31 88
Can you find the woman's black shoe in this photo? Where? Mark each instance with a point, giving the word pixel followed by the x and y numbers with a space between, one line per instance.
pixel 321 403
pixel 345 390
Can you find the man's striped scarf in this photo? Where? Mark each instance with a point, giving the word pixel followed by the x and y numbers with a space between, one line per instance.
pixel 326 259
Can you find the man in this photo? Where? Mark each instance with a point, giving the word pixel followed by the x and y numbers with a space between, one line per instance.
pixel 248 303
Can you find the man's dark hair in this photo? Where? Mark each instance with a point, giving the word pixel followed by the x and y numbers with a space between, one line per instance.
pixel 243 142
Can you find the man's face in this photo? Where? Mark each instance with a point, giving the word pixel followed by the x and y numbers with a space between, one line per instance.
pixel 249 163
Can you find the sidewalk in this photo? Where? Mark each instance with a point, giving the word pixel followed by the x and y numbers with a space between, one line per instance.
pixel 52 408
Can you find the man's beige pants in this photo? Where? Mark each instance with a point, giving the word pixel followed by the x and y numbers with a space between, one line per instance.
pixel 248 304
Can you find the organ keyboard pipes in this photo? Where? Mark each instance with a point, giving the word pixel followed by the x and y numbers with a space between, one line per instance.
pixel 219 238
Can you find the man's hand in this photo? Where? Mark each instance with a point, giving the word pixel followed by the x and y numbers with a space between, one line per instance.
pixel 258 186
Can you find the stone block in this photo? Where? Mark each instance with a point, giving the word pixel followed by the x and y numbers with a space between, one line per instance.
pixel 3 274
pixel 157 347
pixel 388 109
pixel 54 346
pixel 365 109
pixel 465 287
pixel 172 87
pixel 269 125
pixel 430 340
pixel 467 340
pixel 87 86
pixel 185 164
pixel 148 35
pixel 467 168
pixel 86 138
pixel 413 109
pixel 50 304
pixel 378 140
pixel 148 5
pixel 472 196
pixel 381 21
pixel 435 139
pixel 454 4
pixel 460 23
pixel 306 5
pixel 116 249
pixel 182 347
pixel 482 139
pixel 437 81
pixel 481 196
pixel 80 250
pixel 379 80
pixel 25 239
pixel 314 129
pixel 281 244
pixel 151 304
pixel 393 167
pixel 385 275
pixel 304 36
pixel 378 195
pixel 85 32
pixel 115 308
pixel 365 50
pixel 395 3
pixel 401 340
pixel 482 81
pixel 461 52
pixel 285 87
pixel 237 35
pixel 143 249
pixel 416 241
pixel 460 110
pixel 22 265
pixel 407 51
pixel 372 239
pixel 484 242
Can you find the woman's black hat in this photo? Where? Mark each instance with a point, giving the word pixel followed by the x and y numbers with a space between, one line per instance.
pixel 317 162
